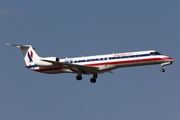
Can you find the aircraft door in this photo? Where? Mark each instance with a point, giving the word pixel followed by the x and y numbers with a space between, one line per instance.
pixel 137 58
pixel 90 60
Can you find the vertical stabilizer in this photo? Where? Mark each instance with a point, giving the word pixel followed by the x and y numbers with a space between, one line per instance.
pixel 29 53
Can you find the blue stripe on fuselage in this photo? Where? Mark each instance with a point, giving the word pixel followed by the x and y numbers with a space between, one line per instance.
pixel 32 66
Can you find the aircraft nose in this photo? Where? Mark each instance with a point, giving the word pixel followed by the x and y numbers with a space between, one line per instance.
pixel 170 59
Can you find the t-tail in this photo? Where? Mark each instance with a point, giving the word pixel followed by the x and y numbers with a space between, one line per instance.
pixel 29 54
pixel 32 59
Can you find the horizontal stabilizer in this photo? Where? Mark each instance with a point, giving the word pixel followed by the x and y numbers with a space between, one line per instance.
pixel 20 46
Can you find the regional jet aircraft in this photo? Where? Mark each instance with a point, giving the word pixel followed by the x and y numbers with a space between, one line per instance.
pixel 91 64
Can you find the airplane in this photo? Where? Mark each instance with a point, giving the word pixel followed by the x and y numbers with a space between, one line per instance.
pixel 91 64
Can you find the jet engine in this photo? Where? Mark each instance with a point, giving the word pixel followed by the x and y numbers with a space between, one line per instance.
pixel 42 62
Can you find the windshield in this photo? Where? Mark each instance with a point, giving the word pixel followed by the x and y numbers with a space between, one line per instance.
pixel 157 53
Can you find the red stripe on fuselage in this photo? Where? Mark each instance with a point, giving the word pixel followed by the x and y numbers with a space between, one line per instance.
pixel 112 63
pixel 48 69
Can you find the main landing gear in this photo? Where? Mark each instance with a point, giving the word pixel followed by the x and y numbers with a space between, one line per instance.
pixel 92 80
pixel 79 77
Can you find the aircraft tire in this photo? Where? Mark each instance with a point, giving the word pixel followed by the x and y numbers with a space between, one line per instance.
pixel 93 80
pixel 162 70
pixel 78 77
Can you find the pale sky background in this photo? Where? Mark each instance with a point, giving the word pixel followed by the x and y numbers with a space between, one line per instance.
pixel 72 28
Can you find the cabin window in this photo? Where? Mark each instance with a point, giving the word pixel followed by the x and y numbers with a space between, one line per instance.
pixel 97 59
pixel 110 58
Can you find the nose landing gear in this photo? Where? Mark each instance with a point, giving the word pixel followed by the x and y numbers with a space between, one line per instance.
pixel 162 69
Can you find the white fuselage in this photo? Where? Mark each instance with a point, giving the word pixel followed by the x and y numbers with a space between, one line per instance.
pixel 108 62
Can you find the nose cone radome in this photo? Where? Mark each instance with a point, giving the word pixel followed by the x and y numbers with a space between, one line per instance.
pixel 169 59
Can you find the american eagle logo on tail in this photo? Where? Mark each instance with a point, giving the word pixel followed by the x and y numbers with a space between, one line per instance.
pixel 30 56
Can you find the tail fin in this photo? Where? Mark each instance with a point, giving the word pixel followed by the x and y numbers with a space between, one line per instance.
pixel 28 53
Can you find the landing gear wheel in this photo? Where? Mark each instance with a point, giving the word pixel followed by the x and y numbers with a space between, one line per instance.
pixel 93 80
pixel 78 77
pixel 162 70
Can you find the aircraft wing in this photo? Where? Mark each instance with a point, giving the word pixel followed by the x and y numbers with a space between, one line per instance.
pixel 74 67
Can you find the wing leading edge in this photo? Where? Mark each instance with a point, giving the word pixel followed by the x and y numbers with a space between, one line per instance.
pixel 74 67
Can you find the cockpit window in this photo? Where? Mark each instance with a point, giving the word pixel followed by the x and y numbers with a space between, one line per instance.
pixel 157 53
pixel 151 53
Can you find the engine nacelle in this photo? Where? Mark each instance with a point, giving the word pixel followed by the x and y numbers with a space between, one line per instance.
pixel 55 59
pixel 46 64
